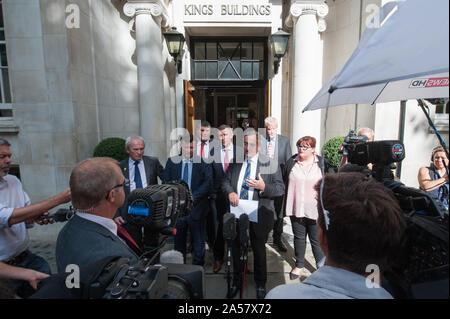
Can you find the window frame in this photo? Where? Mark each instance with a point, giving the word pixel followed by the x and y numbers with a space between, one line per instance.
pixel 7 123
pixel 239 41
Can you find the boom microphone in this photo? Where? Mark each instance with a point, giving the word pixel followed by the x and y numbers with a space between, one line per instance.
pixel 229 227
pixel 243 230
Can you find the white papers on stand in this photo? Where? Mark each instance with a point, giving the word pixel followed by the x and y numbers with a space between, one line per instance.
pixel 249 207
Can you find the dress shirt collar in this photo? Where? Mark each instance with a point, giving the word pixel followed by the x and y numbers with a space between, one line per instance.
pixel 108 223
pixel 186 160
pixel 253 159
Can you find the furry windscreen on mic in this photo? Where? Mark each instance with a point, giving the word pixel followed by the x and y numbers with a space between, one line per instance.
pixel 243 229
pixel 229 226
pixel 171 257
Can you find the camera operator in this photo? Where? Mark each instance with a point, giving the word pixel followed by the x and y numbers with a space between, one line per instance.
pixel 361 226
pixel 16 215
pixel 97 190
pixel 365 131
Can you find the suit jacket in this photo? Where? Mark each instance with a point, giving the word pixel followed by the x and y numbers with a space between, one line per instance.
pixel 282 149
pixel 201 181
pixel 153 170
pixel 274 188
pixel 82 241
pixel 217 168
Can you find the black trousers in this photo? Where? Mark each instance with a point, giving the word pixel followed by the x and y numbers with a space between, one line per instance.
pixel 302 227
pixel 221 207
pixel 258 245
pixel 278 224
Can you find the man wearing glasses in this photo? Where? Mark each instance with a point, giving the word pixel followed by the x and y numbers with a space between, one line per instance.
pixel 97 189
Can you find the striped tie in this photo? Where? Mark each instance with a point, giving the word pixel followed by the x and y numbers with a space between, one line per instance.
pixel 270 149
pixel 244 188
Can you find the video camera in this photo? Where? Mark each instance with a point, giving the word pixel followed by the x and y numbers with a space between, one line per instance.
pixel 158 207
pixel 422 265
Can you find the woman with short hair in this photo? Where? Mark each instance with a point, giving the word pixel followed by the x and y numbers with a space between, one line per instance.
pixel 303 170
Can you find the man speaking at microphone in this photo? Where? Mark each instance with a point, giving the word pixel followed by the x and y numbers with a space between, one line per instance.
pixel 256 179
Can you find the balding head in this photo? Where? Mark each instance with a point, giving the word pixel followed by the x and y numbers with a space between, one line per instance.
pixel 366 131
pixel 92 180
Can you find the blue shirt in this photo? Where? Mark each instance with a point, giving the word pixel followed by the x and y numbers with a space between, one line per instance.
pixel 329 283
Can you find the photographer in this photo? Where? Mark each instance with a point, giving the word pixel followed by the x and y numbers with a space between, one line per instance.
pixel 360 227
pixel 365 131
pixel 97 191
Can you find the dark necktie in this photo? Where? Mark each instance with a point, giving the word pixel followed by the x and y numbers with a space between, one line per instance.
pixel 186 173
pixel 137 175
pixel 244 188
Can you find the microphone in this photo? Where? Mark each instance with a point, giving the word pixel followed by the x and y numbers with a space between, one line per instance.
pixel 229 227
pixel 61 215
pixel 243 230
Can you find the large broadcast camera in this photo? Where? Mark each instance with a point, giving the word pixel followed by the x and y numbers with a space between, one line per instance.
pixel 157 207
pixel 421 270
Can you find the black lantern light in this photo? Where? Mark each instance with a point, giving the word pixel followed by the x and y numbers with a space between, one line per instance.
pixel 175 42
pixel 279 41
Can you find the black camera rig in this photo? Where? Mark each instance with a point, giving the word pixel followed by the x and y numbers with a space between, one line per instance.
pixel 421 270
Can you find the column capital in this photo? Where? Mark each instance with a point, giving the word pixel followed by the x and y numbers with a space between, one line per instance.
pixel 155 8
pixel 299 8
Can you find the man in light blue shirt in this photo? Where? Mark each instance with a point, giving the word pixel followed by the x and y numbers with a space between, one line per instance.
pixel 360 229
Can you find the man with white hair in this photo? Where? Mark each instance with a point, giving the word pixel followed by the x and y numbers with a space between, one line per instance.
pixel 141 171
pixel 278 147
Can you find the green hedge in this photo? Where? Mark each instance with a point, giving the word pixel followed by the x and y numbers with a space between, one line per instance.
pixel 330 150
pixel 113 147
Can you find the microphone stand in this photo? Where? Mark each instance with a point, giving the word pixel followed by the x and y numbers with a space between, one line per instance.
pixel 228 267
pixel 244 255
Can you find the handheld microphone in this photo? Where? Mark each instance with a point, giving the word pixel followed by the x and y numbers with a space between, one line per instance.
pixel 61 215
pixel 243 230
pixel 229 227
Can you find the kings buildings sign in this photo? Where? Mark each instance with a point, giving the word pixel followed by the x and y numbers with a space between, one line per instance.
pixel 227 11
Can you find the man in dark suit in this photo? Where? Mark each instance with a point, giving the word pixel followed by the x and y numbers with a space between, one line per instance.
pixel 197 174
pixel 278 147
pixel 96 187
pixel 141 171
pixel 258 179
pixel 224 154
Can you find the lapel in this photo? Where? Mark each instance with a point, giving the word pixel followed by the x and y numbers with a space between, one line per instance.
pixel 126 174
pixel 147 167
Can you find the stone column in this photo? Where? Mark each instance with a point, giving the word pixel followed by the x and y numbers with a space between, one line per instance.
pixel 149 17
pixel 306 21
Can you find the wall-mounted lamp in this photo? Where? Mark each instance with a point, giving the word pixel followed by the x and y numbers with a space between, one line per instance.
pixel 175 41
pixel 279 41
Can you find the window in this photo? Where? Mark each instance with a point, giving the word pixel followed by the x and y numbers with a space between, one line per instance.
pixel 228 60
pixel 6 112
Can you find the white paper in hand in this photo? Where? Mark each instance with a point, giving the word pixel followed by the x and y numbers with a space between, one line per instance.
pixel 249 207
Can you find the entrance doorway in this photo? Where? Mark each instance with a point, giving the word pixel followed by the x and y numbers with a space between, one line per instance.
pixel 237 107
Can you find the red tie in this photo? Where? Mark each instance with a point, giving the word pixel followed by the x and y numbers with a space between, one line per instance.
pixel 226 161
pixel 122 233
pixel 202 150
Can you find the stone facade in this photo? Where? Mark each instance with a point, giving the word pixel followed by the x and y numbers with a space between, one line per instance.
pixel 112 76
